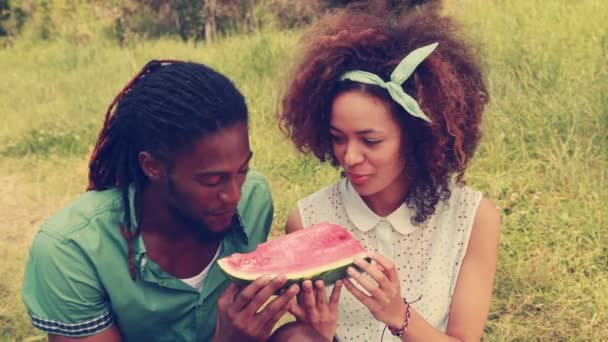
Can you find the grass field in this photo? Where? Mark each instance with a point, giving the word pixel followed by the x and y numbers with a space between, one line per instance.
pixel 543 158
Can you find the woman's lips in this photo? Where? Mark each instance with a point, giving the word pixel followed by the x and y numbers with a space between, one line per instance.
pixel 358 179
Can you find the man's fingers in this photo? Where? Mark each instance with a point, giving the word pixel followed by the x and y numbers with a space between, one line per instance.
pixel 249 292
pixel 264 294
pixel 227 297
pixel 267 329
pixel 278 304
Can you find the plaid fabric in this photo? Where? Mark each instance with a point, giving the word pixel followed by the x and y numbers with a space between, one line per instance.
pixel 85 328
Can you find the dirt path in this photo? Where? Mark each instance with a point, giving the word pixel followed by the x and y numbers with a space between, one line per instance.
pixel 21 215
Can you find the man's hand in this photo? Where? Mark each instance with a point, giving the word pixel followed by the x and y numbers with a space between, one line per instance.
pixel 239 317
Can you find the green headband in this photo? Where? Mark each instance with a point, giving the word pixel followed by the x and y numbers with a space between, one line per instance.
pixel 401 73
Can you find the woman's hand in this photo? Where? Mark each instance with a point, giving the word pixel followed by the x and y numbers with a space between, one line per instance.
pixel 384 300
pixel 313 308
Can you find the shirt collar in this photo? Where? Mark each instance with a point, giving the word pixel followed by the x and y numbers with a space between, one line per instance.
pixel 365 219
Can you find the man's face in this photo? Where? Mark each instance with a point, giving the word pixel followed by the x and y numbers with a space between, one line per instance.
pixel 204 185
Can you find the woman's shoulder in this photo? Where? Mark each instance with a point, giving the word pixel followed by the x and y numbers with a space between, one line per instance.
pixel 323 203
pixel 326 193
pixel 470 206
pixel 463 198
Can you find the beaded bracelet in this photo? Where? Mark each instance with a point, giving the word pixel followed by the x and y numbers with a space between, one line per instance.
pixel 400 331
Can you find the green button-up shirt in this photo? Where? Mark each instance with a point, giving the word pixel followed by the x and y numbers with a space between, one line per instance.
pixel 77 281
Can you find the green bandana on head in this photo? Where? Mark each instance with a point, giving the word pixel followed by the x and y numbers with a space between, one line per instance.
pixel 401 73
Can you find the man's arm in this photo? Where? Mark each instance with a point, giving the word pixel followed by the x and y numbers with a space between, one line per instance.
pixel 110 335
pixel 63 294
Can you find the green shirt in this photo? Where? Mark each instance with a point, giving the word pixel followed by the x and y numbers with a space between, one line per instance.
pixel 77 280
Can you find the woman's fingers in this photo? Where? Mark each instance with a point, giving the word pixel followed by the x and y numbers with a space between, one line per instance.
pixel 387 266
pixel 372 288
pixel 320 295
pixel 335 295
pixel 308 296
pixel 297 311
pixel 374 272
pixel 360 295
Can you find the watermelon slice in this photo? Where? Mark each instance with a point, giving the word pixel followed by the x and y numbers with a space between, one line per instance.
pixel 322 251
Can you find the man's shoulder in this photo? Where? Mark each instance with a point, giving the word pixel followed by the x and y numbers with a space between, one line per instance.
pixel 256 177
pixel 255 188
pixel 90 210
pixel 255 207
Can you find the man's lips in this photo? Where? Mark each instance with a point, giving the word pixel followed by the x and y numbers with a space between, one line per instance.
pixel 223 213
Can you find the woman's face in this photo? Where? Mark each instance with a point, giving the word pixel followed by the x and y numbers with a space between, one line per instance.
pixel 367 142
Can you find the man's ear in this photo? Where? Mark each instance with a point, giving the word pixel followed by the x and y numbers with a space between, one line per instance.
pixel 152 167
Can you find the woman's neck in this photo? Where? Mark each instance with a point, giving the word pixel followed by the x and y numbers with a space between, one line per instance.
pixel 386 201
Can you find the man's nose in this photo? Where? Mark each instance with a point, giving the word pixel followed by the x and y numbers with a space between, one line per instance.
pixel 231 193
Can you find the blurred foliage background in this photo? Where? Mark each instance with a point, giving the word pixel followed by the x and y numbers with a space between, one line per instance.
pixel 543 158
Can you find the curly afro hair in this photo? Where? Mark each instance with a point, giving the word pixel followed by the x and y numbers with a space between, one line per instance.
pixel 448 85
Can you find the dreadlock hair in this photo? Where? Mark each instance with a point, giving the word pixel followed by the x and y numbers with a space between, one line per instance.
pixel 165 107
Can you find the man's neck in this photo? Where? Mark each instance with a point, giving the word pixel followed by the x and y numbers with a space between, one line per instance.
pixel 168 242
pixel 155 217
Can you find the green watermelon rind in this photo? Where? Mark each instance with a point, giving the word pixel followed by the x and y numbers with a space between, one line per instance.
pixel 329 276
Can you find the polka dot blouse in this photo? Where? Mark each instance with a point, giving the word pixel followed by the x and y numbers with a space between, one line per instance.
pixel 427 256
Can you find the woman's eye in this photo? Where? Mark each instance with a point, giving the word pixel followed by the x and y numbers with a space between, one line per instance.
pixel 371 141
pixel 336 139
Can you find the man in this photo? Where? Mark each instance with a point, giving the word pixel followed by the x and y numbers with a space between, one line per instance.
pixel 170 192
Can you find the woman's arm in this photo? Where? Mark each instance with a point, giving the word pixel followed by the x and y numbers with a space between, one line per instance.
pixel 294 221
pixel 473 293
pixel 312 306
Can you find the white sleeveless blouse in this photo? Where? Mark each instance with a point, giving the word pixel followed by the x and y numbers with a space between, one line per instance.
pixel 427 256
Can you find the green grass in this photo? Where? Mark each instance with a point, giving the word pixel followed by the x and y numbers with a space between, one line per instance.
pixel 543 158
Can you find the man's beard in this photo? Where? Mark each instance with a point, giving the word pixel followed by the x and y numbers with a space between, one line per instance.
pixel 197 227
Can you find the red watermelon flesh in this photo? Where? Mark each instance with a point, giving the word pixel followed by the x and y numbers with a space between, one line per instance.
pixel 322 251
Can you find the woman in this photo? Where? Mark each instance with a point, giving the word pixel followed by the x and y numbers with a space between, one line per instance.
pixel 397 105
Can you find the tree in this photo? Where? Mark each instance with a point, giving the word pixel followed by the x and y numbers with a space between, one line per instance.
pixel 209 18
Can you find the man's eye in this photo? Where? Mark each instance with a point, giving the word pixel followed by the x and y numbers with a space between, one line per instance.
pixel 211 180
